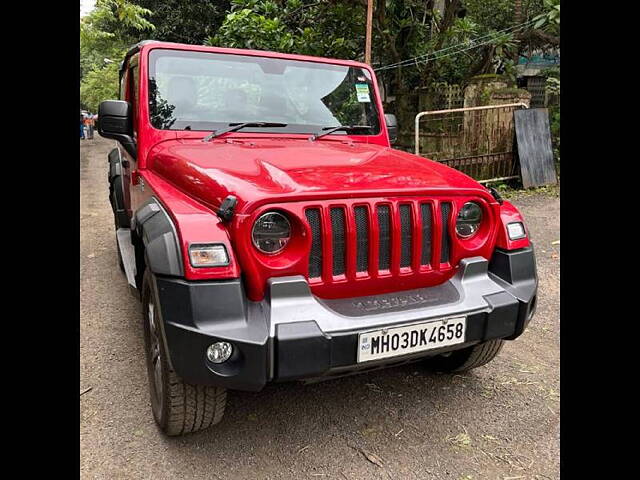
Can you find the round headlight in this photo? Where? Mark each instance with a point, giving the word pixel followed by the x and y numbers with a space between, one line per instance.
pixel 271 232
pixel 468 221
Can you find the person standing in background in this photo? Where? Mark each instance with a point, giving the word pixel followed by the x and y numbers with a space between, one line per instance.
pixel 87 127
pixel 92 125
pixel 81 126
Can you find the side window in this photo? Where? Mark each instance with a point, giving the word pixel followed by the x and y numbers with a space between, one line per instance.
pixel 134 87
pixel 123 85
pixel 132 90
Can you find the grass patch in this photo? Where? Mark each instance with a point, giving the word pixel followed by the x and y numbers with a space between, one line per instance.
pixel 510 192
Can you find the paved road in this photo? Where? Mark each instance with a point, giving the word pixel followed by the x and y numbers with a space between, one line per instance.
pixel 499 421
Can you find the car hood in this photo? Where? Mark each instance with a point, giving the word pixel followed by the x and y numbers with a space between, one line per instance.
pixel 259 171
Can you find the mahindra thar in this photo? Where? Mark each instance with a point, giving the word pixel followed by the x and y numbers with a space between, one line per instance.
pixel 272 233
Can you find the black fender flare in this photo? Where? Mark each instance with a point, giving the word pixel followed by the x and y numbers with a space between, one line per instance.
pixel 116 189
pixel 155 230
pixel 115 165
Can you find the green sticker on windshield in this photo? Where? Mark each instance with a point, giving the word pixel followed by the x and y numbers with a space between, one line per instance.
pixel 362 90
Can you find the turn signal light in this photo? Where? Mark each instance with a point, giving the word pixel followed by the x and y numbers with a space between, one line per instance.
pixel 211 255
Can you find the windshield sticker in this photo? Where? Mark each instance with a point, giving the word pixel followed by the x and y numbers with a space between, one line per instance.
pixel 362 90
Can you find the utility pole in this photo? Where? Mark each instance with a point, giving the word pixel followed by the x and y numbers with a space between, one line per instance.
pixel 367 43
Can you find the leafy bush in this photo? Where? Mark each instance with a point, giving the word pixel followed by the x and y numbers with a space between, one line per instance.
pixel 553 89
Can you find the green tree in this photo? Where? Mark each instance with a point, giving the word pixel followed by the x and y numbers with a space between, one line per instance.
pixel 105 36
pixel 552 88
pixel 293 26
pixel 549 20
pixel 98 85
pixel 402 29
pixel 184 21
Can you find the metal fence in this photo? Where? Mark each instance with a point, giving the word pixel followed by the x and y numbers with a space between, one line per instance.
pixel 479 141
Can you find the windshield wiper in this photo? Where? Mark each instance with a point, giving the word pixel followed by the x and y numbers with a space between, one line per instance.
pixel 237 126
pixel 335 129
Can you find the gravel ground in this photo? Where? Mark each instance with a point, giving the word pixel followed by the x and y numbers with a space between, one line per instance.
pixel 500 421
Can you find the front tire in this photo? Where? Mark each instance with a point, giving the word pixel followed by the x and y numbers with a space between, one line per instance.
pixel 178 407
pixel 467 358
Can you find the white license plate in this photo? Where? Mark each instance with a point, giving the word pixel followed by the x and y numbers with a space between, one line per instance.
pixel 391 342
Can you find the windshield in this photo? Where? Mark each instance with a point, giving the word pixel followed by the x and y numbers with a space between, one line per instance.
pixel 208 91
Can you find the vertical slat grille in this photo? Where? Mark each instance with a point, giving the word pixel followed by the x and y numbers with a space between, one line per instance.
pixel 405 236
pixel 315 257
pixel 445 208
pixel 384 245
pixel 338 239
pixel 354 232
pixel 362 239
pixel 425 213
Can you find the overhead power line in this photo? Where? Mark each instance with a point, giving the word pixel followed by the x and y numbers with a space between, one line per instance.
pixel 456 49
pixel 424 58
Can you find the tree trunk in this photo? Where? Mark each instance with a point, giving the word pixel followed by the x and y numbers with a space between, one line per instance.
pixel 482 65
pixel 517 20
pixel 517 12
pixel 451 8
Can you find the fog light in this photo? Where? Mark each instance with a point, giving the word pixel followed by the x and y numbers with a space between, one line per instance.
pixel 219 352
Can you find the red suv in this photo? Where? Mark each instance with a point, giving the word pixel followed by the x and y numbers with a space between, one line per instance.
pixel 273 234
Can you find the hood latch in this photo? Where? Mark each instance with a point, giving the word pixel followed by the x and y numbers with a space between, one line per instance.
pixel 225 212
pixel 496 195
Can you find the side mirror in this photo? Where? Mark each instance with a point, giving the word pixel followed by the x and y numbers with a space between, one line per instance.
pixel 392 127
pixel 116 122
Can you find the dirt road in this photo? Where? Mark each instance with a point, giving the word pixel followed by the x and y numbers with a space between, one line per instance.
pixel 499 422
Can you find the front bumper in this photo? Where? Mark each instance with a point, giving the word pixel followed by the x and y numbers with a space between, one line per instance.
pixel 292 334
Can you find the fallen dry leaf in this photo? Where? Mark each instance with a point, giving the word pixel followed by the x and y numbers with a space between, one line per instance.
pixel 461 440
pixel 373 458
pixel 303 449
